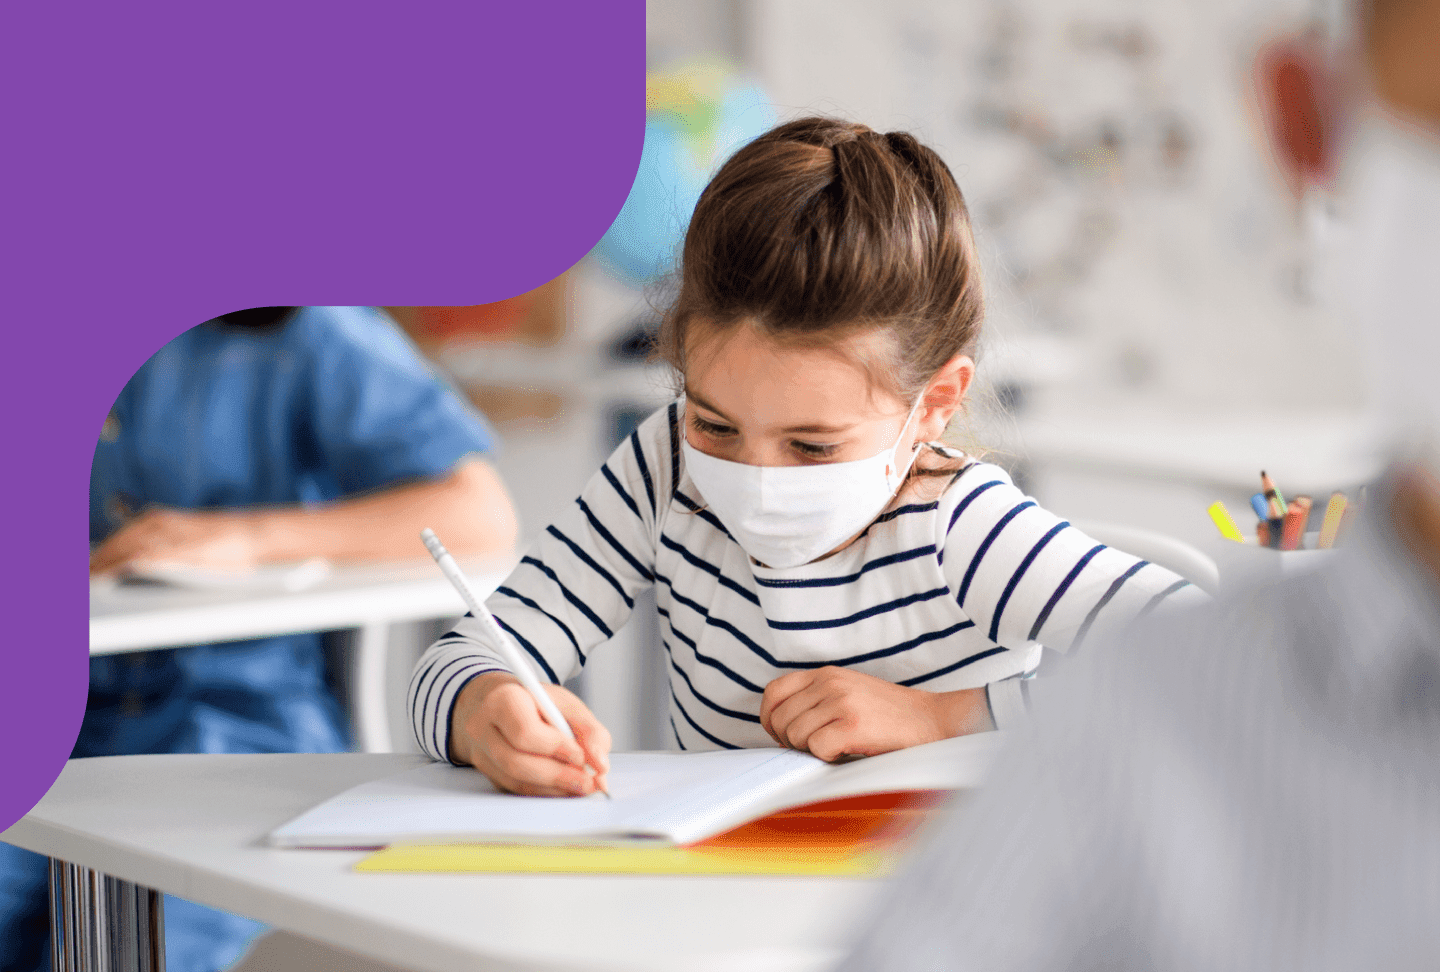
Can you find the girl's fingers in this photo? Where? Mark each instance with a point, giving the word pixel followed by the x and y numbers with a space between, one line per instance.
pixel 521 726
pixel 831 741
pixel 776 693
pixel 590 733
pixel 532 775
pixel 803 729
pixel 785 716
pixel 539 738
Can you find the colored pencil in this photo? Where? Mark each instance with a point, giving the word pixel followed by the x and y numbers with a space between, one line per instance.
pixel 1330 526
pixel 1295 519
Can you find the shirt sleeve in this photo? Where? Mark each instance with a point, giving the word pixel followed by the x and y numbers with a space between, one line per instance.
pixel 572 590
pixel 374 412
pixel 1026 576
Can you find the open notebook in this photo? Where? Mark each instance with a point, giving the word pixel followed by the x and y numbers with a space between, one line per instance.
pixel 659 799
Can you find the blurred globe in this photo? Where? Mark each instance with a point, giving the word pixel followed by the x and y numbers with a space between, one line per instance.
pixel 697 114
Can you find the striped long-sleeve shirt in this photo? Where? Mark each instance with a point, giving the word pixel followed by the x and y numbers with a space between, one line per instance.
pixel 955 585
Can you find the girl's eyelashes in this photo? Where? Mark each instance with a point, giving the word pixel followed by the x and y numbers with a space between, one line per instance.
pixel 810 450
pixel 710 428
pixel 814 450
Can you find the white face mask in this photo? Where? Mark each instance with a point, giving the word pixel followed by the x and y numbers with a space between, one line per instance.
pixel 1392 266
pixel 785 516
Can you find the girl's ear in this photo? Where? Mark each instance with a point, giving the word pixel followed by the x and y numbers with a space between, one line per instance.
pixel 944 396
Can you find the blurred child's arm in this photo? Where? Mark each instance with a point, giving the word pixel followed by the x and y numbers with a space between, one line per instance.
pixel 469 507
pixel 1025 575
pixel 574 588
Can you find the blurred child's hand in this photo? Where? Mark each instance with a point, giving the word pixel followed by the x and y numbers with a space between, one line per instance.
pixel 214 539
pixel 496 726
pixel 833 712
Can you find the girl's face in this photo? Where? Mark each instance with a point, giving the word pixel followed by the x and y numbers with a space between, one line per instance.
pixel 753 401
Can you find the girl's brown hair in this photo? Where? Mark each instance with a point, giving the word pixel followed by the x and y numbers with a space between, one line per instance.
pixel 822 228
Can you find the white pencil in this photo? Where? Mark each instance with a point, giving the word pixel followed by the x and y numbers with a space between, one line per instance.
pixel 519 665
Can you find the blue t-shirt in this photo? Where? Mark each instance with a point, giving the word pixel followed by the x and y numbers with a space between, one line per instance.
pixel 333 403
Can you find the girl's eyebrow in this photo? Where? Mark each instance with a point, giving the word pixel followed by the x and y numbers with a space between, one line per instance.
pixel 808 429
pixel 689 394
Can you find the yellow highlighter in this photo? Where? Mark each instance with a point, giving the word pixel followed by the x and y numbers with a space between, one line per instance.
pixel 1227 526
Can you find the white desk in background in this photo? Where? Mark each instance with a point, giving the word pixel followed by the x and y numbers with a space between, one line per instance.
pixel 369 598
pixel 1160 470
pixel 134 826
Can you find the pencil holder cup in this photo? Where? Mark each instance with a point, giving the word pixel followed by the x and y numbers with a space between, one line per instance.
pixel 1247 565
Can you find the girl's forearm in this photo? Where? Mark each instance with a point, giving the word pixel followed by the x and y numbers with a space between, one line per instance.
pixel 964 711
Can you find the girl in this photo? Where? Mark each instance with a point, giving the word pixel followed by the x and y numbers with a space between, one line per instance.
pixel 829 576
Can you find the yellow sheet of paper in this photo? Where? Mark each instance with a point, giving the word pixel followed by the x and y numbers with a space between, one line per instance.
pixel 506 859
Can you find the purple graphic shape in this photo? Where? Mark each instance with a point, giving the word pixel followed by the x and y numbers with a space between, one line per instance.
pixel 170 161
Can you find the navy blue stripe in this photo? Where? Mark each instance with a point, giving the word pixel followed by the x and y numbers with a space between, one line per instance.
pixel 870 612
pixel 710 569
pixel 644 468
pixel 745 716
pixel 1060 591
pixel 903 510
pixel 629 501
pixel 678 741
pixel 915 642
pixel 719 666
pixel 778 663
pixel 640 568
pixel 586 559
pixel 1151 604
pixel 449 716
pixel 960 508
pixel 878 562
pixel 420 682
pixel 539 658
pixel 673 414
pixel 1019 573
pixel 950 668
pixel 536 607
pixel 580 605
pixel 696 726
pixel 985 546
pixel 1115 586
pixel 427 683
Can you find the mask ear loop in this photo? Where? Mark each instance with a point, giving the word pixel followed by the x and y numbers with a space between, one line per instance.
pixel 914 447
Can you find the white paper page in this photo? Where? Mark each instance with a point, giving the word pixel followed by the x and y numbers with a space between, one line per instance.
pixel 289 577
pixel 949 764
pixel 440 803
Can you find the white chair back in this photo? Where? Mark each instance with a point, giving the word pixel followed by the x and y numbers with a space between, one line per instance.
pixel 1158 548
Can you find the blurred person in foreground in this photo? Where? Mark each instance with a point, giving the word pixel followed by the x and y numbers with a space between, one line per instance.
pixel 268 435
pixel 1257 786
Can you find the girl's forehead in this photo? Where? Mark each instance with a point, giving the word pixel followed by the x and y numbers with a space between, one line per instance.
pixel 749 377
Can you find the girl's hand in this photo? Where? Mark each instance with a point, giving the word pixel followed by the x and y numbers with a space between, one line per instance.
pixel 214 539
pixel 496 727
pixel 833 712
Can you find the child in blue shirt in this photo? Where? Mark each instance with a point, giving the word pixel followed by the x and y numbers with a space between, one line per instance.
pixel 268 435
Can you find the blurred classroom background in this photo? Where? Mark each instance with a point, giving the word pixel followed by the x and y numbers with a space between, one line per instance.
pixel 1158 328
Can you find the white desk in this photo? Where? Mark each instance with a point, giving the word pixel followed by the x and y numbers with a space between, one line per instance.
pixel 192 826
pixel 367 597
